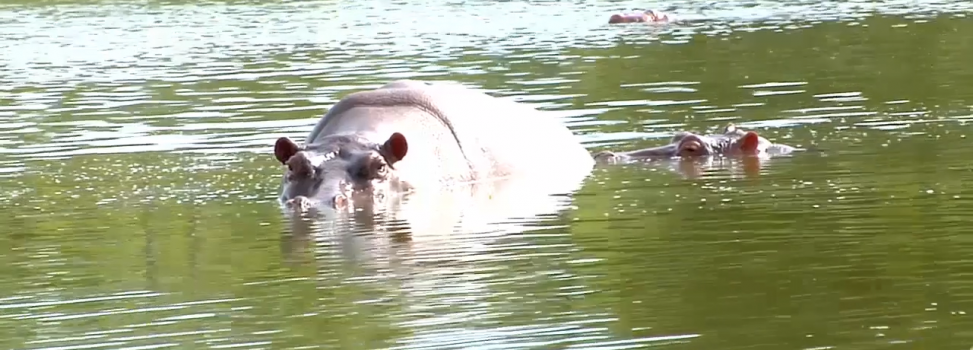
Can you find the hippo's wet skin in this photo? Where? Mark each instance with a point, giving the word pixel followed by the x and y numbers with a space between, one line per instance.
pixel 732 142
pixel 410 135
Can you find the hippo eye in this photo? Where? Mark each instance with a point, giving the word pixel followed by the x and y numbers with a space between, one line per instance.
pixel 382 169
pixel 691 148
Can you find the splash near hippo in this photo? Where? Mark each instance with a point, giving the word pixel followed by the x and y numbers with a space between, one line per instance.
pixel 648 16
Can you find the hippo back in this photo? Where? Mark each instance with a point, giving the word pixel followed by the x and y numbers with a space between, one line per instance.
pixel 465 134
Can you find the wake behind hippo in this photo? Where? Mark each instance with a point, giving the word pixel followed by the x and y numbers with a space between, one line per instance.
pixel 731 142
pixel 411 136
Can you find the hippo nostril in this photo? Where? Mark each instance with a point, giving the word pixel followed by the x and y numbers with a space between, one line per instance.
pixel 299 203
pixel 340 201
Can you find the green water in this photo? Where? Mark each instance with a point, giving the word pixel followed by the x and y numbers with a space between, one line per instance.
pixel 138 186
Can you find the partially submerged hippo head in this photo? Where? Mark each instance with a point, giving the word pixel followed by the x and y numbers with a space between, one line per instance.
pixel 339 169
pixel 646 16
pixel 732 142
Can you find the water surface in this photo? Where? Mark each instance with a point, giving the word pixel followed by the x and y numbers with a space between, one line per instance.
pixel 139 187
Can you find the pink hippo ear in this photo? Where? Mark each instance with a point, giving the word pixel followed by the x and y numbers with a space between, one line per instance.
pixel 749 142
pixel 284 149
pixel 395 147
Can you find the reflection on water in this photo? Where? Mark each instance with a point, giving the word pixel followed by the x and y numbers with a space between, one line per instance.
pixel 136 174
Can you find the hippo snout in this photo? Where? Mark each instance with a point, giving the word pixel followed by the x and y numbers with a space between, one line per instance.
pixel 302 203
pixel 299 203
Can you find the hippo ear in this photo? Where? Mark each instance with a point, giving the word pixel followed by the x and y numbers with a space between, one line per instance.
pixel 284 149
pixel 749 142
pixel 395 148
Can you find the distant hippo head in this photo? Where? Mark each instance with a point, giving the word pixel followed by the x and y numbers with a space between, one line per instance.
pixel 627 18
pixel 732 142
pixel 339 170
pixel 646 16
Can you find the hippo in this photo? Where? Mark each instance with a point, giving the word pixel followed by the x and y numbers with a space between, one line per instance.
pixel 410 135
pixel 731 142
pixel 651 16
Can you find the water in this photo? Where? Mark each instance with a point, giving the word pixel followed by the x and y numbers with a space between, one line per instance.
pixel 138 184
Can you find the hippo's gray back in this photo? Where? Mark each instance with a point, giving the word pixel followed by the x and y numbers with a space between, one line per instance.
pixel 466 134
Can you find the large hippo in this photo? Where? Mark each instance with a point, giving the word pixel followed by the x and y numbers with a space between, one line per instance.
pixel 410 135
pixel 650 16
pixel 731 142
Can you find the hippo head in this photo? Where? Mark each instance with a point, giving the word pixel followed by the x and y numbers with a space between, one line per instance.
pixel 339 170
pixel 627 18
pixel 732 142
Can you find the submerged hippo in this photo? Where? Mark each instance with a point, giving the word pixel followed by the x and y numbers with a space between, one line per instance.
pixel 410 135
pixel 732 142
pixel 651 16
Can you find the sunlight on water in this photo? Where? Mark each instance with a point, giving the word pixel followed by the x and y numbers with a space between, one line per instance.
pixel 136 171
